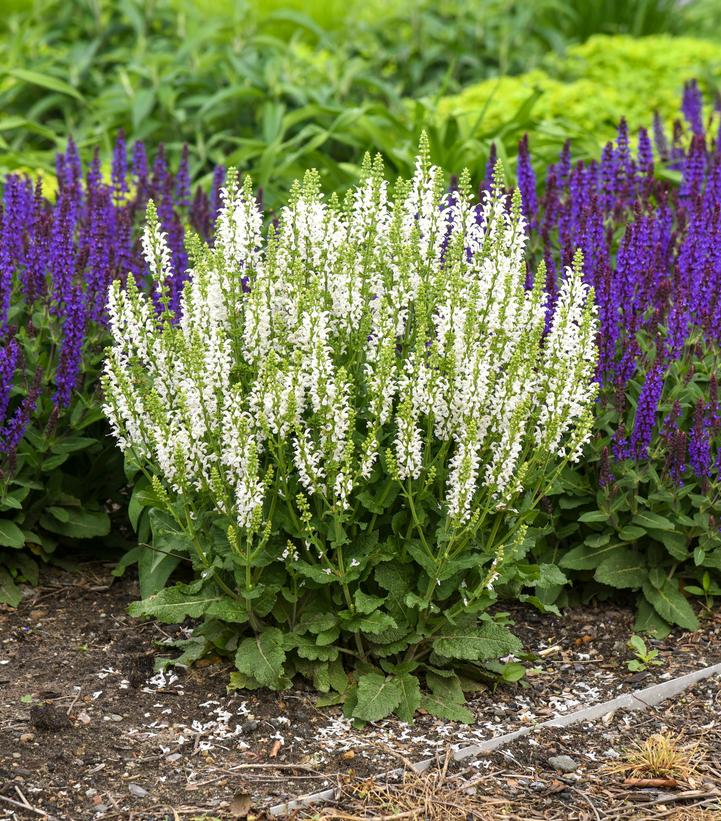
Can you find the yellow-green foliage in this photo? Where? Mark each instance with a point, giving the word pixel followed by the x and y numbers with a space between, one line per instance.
pixel 592 87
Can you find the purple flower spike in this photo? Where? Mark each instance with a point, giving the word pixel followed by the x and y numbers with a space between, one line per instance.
pixel 9 355
pixel 699 445
pixel 71 349
pixel 645 420
pixel 692 106
pixel 182 180
pixel 490 167
pixel 11 435
pixel 645 153
pixel 659 137
pixel 527 182
pixel 119 172
pixel 141 172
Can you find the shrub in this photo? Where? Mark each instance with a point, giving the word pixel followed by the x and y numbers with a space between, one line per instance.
pixel 346 428
pixel 584 94
pixel 641 512
pixel 59 473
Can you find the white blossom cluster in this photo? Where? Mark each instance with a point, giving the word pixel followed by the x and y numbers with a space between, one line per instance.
pixel 384 331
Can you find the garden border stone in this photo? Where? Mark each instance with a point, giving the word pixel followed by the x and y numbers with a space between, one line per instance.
pixel 637 700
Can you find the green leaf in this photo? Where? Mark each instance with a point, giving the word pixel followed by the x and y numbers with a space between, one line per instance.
pixel 241 681
pixel 675 543
pixel 70 444
pixel 550 574
pixel 62 514
pixel 671 604
pixel 10 534
pixel 307 648
pixel 446 699
pixel 594 516
pixel 631 533
pixel 9 591
pixel 83 524
pixel 44 81
pixel 648 620
pixel 487 641
pixel 374 623
pixel 175 604
pixel 366 604
pixel 625 569
pixel 262 657
pixel 154 569
pixel 410 697
pixel 652 521
pixel 378 696
pixel 585 557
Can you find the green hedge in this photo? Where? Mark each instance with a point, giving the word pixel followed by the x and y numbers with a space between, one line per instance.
pixel 584 94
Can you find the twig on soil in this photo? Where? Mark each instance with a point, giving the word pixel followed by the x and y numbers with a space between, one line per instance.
pixel 342 816
pixel 75 700
pixel 27 807
pixel 588 801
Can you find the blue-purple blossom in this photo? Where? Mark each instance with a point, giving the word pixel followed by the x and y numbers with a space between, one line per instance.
pixel 527 182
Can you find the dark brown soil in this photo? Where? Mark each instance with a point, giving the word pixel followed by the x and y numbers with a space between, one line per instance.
pixel 87 730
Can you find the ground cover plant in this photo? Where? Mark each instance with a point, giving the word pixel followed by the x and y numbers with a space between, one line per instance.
pixel 346 426
pixel 641 511
pixel 60 477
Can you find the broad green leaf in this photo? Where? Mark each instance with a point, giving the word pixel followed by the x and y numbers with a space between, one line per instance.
pixel 262 657
pixel 550 574
pixel 154 569
pixel 410 697
pixel 70 444
pixel 652 521
pixel 373 623
pixel 671 604
pixel 378 696
pixel 585 557
pixel 623 569
pixel 241 681
pixel 366 604
pixel 631 533
pixel 175 604
pixel 593 516
pixel 476 643
pixel 62 514
pixel 9 591
pixel 306 647
pixel 44 81
pixel 83 524
pixel 10 534
pixel 441 707
pixel 675 543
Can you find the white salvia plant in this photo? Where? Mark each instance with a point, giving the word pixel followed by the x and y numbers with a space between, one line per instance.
pixel 352 418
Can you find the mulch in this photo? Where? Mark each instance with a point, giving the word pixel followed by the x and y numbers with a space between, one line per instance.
pixel 88 729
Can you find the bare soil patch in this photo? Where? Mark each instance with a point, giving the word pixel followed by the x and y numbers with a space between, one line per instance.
pixel 88 730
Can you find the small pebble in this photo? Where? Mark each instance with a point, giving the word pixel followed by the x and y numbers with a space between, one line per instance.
pixel 563 763
pixel 137 790
pixel 173 757
pixel 26 738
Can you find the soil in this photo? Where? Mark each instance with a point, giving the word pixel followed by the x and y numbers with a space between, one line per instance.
pixel 88 730
pixel 521 781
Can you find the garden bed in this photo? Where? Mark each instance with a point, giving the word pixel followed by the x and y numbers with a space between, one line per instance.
pixel 87 729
